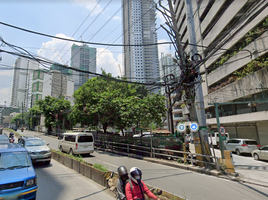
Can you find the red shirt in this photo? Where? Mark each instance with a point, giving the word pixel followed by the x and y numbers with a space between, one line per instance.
pixel 136 192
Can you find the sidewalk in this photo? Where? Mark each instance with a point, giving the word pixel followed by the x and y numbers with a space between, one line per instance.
pixel 248 169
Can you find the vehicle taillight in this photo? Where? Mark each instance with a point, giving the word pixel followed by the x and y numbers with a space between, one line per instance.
pixel 76 145
pixel 258 145
pixel 244 145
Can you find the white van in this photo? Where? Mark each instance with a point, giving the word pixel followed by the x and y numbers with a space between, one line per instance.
pixel 216 140
pixel 77 143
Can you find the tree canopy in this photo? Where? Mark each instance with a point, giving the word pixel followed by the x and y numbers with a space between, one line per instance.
pixel 55 111
pixel 118 104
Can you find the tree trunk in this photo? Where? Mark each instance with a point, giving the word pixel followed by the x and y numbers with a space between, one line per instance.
pixel 122 129
pixel 105 128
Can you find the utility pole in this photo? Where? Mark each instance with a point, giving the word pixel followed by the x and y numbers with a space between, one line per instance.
pixel 22 109
pixel 199 101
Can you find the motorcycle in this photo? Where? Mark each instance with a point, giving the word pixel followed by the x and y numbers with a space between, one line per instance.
pixel 11 139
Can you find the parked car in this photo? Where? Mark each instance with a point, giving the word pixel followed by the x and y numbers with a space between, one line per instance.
pixel 37 149
pixel 261 153
pixel 4 139
pixel 18 178
pixel 240 146
pixel 215 140
pixel 77 143
pixel 144 134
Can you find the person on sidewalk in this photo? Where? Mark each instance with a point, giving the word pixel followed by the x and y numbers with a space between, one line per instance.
pixel 136 188
pixel 121 182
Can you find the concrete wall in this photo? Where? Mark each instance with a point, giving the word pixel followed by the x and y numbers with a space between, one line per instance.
pixel 238 89
pixel 263 132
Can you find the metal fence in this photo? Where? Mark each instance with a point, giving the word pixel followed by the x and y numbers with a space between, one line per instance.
pixel 153 152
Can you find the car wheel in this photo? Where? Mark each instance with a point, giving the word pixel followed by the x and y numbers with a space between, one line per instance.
pixel 256 157
pixel 237 152
pixel 47 162
pixel 71 152
pixel 60 148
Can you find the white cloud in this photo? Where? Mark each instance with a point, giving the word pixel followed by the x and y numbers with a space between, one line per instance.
pixel 57 50
pixel 106 61
pixel 117 18
pixel 5 95
pixel 90 5
pixel 165 48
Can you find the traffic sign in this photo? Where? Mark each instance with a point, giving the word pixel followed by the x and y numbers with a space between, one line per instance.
pixel 222 130
pixel 194 126
pixel 181 128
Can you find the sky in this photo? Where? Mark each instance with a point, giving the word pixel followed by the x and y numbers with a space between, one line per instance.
pixel 98 21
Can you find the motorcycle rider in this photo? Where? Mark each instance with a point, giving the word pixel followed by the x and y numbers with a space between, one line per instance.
pixel 121 182
pixel 11 137
pixel 136 188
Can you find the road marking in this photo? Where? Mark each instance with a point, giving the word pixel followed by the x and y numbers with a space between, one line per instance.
pixel 107 163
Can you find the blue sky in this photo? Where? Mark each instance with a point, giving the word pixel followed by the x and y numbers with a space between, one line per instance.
pixel 63 18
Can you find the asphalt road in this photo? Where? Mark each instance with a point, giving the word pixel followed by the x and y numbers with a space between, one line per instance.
pixel 183 183
pixel 57 182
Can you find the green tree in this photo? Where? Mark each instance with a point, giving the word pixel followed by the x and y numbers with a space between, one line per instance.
pixel 55 111
pixel 34 115
pixel 112 103
pixel 19 118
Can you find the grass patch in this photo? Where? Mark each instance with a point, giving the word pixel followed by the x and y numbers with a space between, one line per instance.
pixel 100 167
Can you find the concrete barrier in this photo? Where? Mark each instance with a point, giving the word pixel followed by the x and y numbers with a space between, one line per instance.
pixel 55 155
pixel 76 166
pixel 68 162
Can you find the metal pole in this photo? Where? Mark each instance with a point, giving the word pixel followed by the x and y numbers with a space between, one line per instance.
pixel 218 125
pixel 199 102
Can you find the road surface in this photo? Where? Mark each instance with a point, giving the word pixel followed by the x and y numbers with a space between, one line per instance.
pixel 57 182
pixel 183 183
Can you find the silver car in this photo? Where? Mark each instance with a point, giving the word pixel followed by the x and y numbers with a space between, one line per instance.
pixel 240 146
pixel 261 153
pixel 37 149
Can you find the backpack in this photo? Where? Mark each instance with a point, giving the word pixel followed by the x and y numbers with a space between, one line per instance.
pixel 141 188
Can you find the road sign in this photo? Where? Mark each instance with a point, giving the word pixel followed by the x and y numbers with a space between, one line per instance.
pixel 222 130
pixel 181 128
pixel 194 126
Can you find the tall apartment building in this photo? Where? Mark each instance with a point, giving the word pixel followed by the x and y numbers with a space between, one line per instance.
pixel 20 85
pixel 49 83
pixel 84 58
pixel 234 37
pixel 63 70
pixel 139 21
pixel 167 66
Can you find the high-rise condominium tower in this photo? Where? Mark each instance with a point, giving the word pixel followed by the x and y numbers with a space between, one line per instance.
pixel 139 21
pixel 21 82
pixel 84 58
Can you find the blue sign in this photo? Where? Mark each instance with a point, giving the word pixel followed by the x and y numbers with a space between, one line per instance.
pixel 194 127
pixel 181 128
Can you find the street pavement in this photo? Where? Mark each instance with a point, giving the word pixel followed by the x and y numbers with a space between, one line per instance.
pixel 57 182
pixel 183 183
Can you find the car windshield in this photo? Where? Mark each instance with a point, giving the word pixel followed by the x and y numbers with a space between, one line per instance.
pixel 34 142
pixel 251 142
pixel 12 160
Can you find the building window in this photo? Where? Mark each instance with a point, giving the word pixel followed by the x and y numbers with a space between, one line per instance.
pixel 178 115
pixel 37 86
